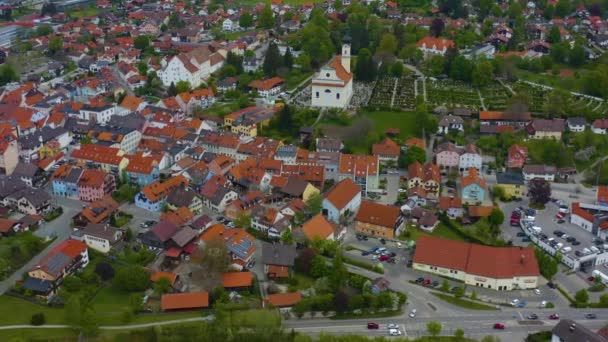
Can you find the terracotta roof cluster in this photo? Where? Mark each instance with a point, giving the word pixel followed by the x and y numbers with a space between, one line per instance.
pixel 359 165
pixel 435 43
pixel 92 178
pixel 98 154
pixel 140 164
pixel 318 227
pixel 100 210
pixel 472 178
pixel 158 190
pixel 266 84
pixel 486 261
pixel 430 171
pixel 386 148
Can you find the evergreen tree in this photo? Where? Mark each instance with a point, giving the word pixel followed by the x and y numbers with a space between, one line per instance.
pixel 266 19
pixel 272 60
pixel 288 59
pixel 366 69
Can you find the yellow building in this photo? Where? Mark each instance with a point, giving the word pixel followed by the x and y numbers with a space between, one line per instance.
pixel 309 191
pixel 378 220
pixel 512 184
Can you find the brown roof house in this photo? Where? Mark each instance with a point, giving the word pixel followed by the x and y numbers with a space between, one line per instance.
pixel 184 301
pixel 278 259
pixel 386 150
pixel 282 300
pixel 546 129
pixel 425 219
pixel 343 199
pixel 319 228
pixel 101 237
pixel 378 220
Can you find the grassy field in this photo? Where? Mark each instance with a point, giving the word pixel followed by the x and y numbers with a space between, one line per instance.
pixel 85 12
pixel 17 311
pixel 441 231
pixel 62 335
pixel 221 109
pixel 463 303
pixel 404 121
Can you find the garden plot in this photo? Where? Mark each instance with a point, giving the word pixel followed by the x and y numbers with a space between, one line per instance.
pixel 383 92
pixel 537 95
pixel 450 93
pixel 495 97
pixel 405 96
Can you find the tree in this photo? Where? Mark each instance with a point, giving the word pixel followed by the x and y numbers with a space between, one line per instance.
pixel 89 325
pixel 581 297
pixel 604 300
pixel 539 191
pixel 243 220
pixel 55 44
pixel 434 328
pixel 162 286
pixel 473 294
pixel 562 9
pixel 437 26
pixel 73 310
pixel 397 69
pixel 142 68
pixel 483 73
pixel 288 59
pixel 459 334
pixel 577 56
pixel 48 8
pixel 314 204
pixel 246 20
pixel 554 35
pixel 141 42
pixel 318 267
pixel 461 69
pixel 445 286
pixel 303 261
pixel 272 60
pixel 183 87
pixel 266 19
pixel 212 259
pixel 365 69
pixel 339 273
pixel 496 218
pixel 388 44
pixel 341 301
pixel 436 65
pixel 38 319
pixel 459 292
pixel 134 278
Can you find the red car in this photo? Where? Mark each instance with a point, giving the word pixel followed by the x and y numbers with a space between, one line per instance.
pixel 560 216
pixel 554 316
pixel 426 282
pixel 373 326
pixel 591 279
pixel 499 326
pixel 384 257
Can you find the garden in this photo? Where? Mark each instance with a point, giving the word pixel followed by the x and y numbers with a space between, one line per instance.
pixel 17 250
pixel 449 93
pixel 495 96
pixel 393 92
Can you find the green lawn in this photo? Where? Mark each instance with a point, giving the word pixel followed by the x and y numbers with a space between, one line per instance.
pixel 221 109
pixel 18 311
pixel 442 231
pixel 295 77
pixel 111 300
pixel 463 303
pixel 86 12
pixel 404 121
pixel 236 35
pixel 38 335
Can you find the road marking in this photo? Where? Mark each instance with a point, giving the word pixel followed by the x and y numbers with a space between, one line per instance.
pixel 520 315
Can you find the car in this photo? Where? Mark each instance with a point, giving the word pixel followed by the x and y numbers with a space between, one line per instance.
pixel 551 285
pixel 570 239
pixel 251 263
pixel 454 289
pixel 514 302
pixel 590 316
pixel 521 234
pixel 413 313
pixel 402 190
pixel 526 239
pixel 426 282
pixel 499 326
pixel 373 326
pixel 560 216
pixel 435 283
pixel 419 280
pixel 576 243
pixel 554 316
pixel 384 258
pixel 565 237
pixel 382 241
pixel 514 223
pixel 392 326
pixel 374 257
pixel 373 250
pixel 364 253
pixel 564 209
pixel 359 237
pixel 532 316
pixel 522 304
pixel 364 238
pixel 394 332
pixel 560 221
pixel 558 233
pixel 537 291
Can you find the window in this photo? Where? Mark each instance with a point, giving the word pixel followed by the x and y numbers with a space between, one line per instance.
pixel 337 96
pixel 317 94
pixel 327 75
pixel 327 91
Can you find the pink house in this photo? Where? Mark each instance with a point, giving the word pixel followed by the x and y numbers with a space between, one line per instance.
pixel 93 185
pixel 447 155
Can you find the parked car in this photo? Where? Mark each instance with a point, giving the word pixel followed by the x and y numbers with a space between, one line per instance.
pixel 392 326
pixel 413 313
pixel 521 234
pixel 499 326
pixel 373 326
pixel 426 282
pixel 384 258
pixel 537 291
pixel 526 239
pixel 435 283
pixel 560 221
pixel 514 302
pixel 394 332
pixel 532 316
pixel 374 257
pixel 558 233
pixel 554 316
pixel 364 253
pixel 576 243
pixel 551 285
pixel 570 239
pixel 590 316
pixel 419 280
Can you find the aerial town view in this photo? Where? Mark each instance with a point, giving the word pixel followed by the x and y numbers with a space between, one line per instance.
pixel 304 170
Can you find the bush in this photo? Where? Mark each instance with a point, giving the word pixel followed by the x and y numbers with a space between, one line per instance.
pixel 38 319
pixel 374 268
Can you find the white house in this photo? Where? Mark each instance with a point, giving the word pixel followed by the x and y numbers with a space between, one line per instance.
pixel 434 46
pixel 100 115
pixel 450 123
pixel 342 198
pixel 100 237
pixel 545 172
pixel 576 124
pixel 332 86
pixel 194 66
pixel 470 157
pixel 599 126
pixel 228 25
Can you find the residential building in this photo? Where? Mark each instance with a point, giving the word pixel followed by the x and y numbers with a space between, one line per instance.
pixel 298 188
pixel 283 300
pixel 108 159
pixel 159 236
pixel 427 177
pixel 9 153
pixel 434 46
pixel 235 281
pixel 195 66
pixel 123 138
pixel 94 185
pixel 342 200
pixel 332 86
pixel 512 184
pixel 153 197
pixel 545 172
pixel 516 156
pixel 473 187
pixel 576 124
pixel 425 219
pixel 378 220
pixel 278 259
pixel 184 301
pixel 497 268
pixel 492 122
pixel 451 123
pixel 184 197
pixel 319 228
pixel 451 206
pixel 31 174
pixel 247 120
pixel 546 129
pixel 568 330
pixel 267 88
pixel 99 236
pixel 329 145
pixel 99 211
pixel 30 201
pixel 63 260
pixel 599 126
pixel 447 155
pixel 65 181
pixel 216 195
pixel 470 157
pixel 142 171
pixel 386 150
pixel 364 170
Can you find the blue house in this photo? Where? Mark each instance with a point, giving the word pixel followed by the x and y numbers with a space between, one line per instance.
pixel 142 171
pixel 65 181
pixel 154 196
pixel 473 187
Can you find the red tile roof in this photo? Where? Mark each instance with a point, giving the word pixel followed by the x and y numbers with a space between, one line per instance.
pixel 435 43
pixel 342 193
pixel 266 84
pixel 184 301
pixel 318 227
pixel 237 279
pixel 378 214
pixel 386 148
pixel 486 261
pixel 284 299
pixel 156 276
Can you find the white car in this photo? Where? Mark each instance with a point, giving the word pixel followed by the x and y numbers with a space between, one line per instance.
pixel 402 190
pixel 413 313
pixel 394 332
pixel 514 302
pixel 393 326
pixel 374 257
pixel 537 291
pixel 564 210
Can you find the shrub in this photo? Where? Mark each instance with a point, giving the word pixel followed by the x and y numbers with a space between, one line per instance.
pixel 38 319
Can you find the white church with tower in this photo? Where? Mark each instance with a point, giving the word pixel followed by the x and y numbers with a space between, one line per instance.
pixel 332 86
